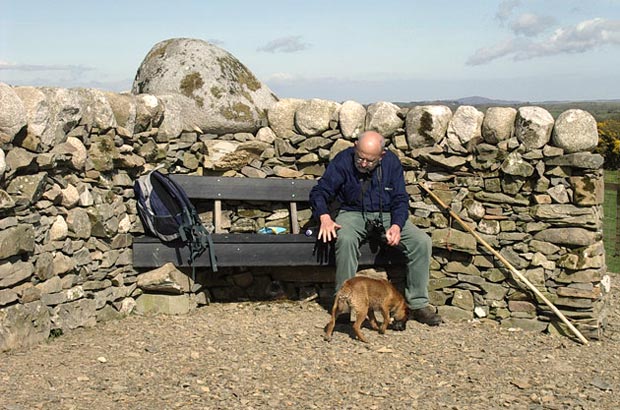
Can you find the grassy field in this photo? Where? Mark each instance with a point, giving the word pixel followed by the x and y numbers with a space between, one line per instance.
pixel 609 223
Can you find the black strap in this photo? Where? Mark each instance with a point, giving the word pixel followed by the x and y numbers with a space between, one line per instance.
pixel 366 184
pixel 211 253
pixel 194 234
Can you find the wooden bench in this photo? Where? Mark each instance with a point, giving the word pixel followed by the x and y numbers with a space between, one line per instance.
pixel 241 249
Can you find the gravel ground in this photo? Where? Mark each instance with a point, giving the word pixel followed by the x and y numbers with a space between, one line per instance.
pixel 272 355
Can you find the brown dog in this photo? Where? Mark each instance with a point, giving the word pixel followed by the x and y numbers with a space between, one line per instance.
pixel 367 295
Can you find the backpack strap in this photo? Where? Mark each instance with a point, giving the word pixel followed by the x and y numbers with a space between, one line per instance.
pixel 194 234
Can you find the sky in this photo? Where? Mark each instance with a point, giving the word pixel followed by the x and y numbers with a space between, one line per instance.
pixel 366 51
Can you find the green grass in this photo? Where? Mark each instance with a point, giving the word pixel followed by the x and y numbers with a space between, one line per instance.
pixel 610 220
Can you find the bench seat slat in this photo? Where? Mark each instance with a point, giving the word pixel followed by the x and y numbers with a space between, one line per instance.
pixel 251 250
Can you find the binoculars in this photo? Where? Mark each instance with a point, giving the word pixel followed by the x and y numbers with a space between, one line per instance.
pixel 375 231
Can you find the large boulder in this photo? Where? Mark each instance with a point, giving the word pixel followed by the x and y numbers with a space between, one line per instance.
pixel 12 115
pixel 228 94
pixel 165 279
pixel 465 126
pixel 498 124
pixel 96 110
pixel 66 107
pixel 383 117
pixel 37 109
pixel 180 114
pixel 149 112
pixel 575 131
pixel 23 325
pixel 352 116
pixel 282 117
pixel 124 108
pixel 533 127
pixel 53 112
pixel 313 116
pixel 427 125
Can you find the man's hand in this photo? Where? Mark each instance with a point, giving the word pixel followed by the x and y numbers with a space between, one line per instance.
pixel 327 231
pixel 392 235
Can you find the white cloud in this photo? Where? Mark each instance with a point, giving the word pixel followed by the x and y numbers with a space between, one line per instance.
pixel 59 75
pixel 504 10
pixel 5 65
pixel 282 77
pixel 582 37
pixel 587 34
pixel 488 54
pixel 288 44
pixel 530 25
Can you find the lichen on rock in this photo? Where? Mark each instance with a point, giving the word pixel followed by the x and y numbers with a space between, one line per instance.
pixel 229 97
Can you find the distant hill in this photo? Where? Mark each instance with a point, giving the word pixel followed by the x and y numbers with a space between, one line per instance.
pixel 474 100
pixel 600 109
pixel 485 101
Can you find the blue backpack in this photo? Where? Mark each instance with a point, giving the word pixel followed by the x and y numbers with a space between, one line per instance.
pixel 167 213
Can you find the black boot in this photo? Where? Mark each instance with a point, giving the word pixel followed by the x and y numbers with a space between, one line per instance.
pixel 426 315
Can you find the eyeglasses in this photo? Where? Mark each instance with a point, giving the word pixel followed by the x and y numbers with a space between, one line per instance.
pixel 368 162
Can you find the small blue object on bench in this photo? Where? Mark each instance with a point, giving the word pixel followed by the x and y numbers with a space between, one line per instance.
pixel 254 249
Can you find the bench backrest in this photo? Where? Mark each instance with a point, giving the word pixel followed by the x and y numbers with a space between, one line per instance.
pixel 246 189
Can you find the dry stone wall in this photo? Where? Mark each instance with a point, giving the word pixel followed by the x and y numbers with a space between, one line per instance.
pixel 528 184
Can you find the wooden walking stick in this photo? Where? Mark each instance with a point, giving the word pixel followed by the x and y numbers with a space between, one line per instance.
pixel 507 264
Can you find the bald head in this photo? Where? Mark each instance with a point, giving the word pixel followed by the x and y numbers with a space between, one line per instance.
pixel 369 150
pixel 371 142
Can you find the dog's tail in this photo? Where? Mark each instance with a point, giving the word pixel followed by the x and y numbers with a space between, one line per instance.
pixel 345 291
pixel 341 305
pixel 343 298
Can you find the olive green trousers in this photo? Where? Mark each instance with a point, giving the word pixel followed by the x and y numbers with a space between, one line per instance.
pixel 414 242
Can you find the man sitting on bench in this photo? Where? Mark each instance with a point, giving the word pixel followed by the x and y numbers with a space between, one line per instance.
pixel 368 183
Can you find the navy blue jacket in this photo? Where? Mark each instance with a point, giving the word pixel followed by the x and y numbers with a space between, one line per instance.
pixel 343 182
